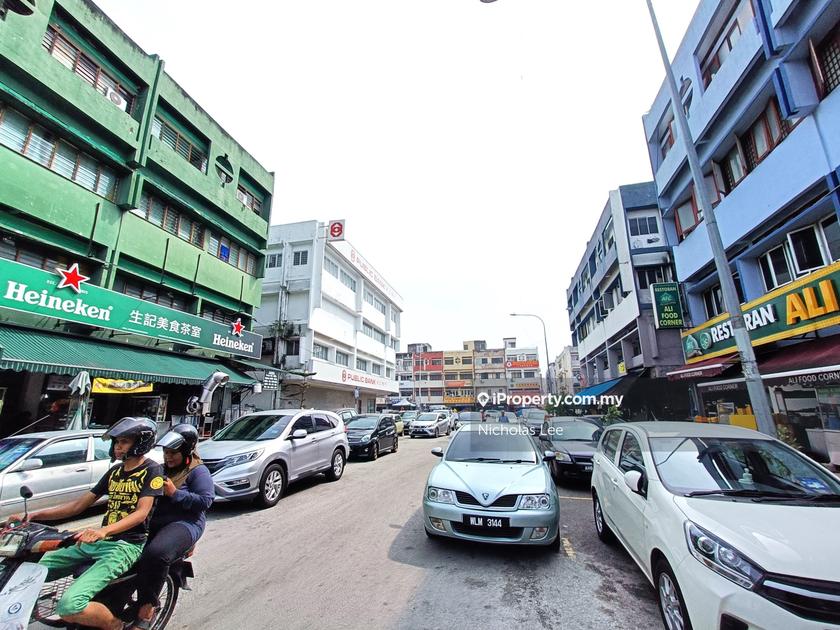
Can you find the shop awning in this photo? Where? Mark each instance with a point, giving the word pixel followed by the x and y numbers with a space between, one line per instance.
pixel 250 366
pixel 38 351
pixel 817 353
pixel 709 367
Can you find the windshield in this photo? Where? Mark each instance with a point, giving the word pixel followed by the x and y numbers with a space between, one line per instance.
pixel 427 417
pixel 571 431
pixel 250 428
pixel 469 416
pixel 12 449
pixel 492 444
pixel 534 414
pixel 409 415
pixel 363 422
pixel 688 465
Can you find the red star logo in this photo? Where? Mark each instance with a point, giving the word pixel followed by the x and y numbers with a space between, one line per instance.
pixel 237 327
pixel 71 278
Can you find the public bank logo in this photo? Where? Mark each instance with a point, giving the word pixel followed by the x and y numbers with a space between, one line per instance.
pixel 483 398
pixel 343 376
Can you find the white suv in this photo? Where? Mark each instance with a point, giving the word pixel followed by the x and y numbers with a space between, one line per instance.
pixel 734 529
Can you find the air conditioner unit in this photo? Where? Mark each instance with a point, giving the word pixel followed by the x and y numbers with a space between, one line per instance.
pixel 117 99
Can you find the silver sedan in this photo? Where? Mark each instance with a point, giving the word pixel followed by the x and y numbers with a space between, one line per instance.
pixel 493 485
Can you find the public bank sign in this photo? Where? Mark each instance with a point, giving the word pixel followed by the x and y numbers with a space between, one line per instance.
pixel 66 295
pixel 809 304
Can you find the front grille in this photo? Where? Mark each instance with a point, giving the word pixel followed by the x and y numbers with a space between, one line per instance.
pixel 505 501
pixel 213 465
pixel 502 532
pixel 582 459
pixel 817 600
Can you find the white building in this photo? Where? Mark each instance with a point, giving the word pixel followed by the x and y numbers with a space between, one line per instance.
pixel 567 370
pixel 522 369
pixel 338 318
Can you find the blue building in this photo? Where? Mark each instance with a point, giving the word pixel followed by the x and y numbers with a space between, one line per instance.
pixel 758 80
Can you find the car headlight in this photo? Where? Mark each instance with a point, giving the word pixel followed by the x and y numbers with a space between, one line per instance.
pixel 366 437
pixel 235 460
pixel 721 557
pixel 535 502
pixel 562 456
pixel 439 495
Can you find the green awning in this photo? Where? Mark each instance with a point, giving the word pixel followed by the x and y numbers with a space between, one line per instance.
pixel 50 353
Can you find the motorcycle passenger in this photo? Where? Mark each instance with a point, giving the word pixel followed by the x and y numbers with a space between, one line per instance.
pixel 179 518
pixel 132 487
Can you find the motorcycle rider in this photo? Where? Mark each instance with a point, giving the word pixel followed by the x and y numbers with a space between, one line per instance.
pixel 179 518
pixel 132 487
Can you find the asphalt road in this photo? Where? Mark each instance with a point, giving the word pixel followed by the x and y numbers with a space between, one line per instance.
pixel 353 554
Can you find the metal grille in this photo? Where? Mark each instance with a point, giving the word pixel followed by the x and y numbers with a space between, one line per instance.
pixel 817 600
pixel 829 54
pixel 506 501
pixel 502 532
pixel 213 465
pixel 47 602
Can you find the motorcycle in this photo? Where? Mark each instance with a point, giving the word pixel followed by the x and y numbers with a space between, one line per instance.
pixel 26 597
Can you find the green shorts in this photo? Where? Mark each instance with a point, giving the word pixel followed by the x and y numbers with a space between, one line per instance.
pixel 112 559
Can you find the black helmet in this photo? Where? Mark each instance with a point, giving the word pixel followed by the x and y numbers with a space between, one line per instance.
pixel 182 437
pixel 143 430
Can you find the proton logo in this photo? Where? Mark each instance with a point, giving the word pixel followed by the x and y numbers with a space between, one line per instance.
pixel 485 495
pixel 15 608
pixel 343 376
pixel 483 398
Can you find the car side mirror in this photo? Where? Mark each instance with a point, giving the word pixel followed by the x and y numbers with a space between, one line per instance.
pixel 437 451
pixel 26 492
pixel 549 456
pixel 635 481
pixel 299 434
pixel 596 437
pixel 31 464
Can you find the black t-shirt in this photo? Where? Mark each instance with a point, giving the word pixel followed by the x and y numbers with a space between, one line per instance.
pixel 124 490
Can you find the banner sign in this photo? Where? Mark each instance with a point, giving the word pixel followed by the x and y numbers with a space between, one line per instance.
pixel 118 386
pixel 667 307
pixel 67 296
pixel 522 364
pixel 809 304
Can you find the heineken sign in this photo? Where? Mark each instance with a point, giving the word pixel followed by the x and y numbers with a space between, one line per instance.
pixel 667 307
pixel 65 295
pixel 809 304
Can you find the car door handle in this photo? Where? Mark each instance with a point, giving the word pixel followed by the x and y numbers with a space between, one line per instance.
pixel 81 470
pixel 614 482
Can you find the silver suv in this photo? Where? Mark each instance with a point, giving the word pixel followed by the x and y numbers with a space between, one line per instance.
pixel 258 455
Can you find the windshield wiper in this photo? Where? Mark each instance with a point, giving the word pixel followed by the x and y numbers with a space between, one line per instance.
pixel 745 492
pixel 478 459
pixel 518 461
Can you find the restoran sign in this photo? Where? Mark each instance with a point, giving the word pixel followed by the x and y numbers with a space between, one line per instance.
pixel 809 304
pixel 67 295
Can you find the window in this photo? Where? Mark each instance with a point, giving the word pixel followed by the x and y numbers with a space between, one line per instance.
pixel 348 281
pixel 165 216
pixel 362 365
pixel 805 250
pixel 764 135
pixel 688 217
pixel 389 373
pixel 37 256
pixel 608 238
pixel 249 199
pixel 609 443
pixel 301 258
pixel 151 293
pixel 466 361
pixel 650 275
pixel 529 374
pixel 175 140
pixel 640 226
pixel 369 296
pixel 273 260
pixel 497 360
pixel 101 448
pixel 379 306
pixel 293 347
pixel 775 268
pixel 342 358
pixel 20 134
pixel 320 352
pixel 666 140
pixel 725 41
pixel 448 361
pixel 831 233
pixel 71 57
pixel 713 299
pixel 331 266
pixel 216 314
pixel 825 62
pixel 376 369
pixel 304 423
pixel 733 168
pixel 63 453
pixel 322 423
pixel 631 454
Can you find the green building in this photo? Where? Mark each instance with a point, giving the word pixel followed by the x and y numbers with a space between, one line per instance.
pixel 108 164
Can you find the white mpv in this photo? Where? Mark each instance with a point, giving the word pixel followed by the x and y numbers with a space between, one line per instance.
pixel 735 530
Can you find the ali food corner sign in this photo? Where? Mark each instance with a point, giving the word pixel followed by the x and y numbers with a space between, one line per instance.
pixel 66 295
pixel 667 307
pixel 806 305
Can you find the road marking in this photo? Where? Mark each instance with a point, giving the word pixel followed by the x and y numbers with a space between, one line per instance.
pixel 576 498
pixel 567 547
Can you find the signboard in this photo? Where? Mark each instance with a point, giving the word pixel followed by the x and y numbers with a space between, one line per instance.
pixel 456 383
pixel 270 381
pixel 522 364
pixel 622 368
pixel 67 296
pixel 119 386
pixel 525 385
pixel 335 230
pixel 458 400
pixel 809 304
pixel 667 307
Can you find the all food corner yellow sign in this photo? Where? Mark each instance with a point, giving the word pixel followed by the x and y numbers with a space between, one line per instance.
pixel 809 304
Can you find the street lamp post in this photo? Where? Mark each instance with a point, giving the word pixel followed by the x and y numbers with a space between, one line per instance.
pixel 749 366
pixel 545 335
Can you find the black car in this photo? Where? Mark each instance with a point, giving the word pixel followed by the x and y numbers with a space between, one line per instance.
pixel 372 434
pixel 574 442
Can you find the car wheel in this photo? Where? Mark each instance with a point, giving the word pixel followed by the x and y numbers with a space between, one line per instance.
pixel 671 602
pixel 557 544
pixel 603 530
pixel 337 466
pixel 448 429
pixel 272 486
pixel 396 445
pixel 374 451
pixel 437 432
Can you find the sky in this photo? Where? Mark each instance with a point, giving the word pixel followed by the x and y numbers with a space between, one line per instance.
pixel 470 147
